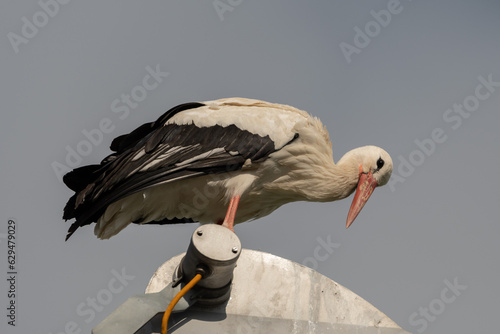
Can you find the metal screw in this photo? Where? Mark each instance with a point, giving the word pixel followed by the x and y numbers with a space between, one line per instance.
pixel 235 250
pixel 199 232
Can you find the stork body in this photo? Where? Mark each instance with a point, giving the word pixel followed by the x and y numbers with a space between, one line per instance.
pixel 225 161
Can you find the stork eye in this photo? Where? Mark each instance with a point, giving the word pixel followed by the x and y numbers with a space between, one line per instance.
pixel 380 163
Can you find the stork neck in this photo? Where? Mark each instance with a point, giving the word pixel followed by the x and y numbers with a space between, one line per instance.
pixel 314 177
pixel 336 182
pixel 322 183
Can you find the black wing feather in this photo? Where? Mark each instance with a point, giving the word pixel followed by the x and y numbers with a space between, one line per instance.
pixel 120 175
pixel 123 142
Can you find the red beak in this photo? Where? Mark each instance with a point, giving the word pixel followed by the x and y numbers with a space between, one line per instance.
pixel 366 185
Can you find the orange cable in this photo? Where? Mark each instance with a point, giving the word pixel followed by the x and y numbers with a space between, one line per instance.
pixel 180 294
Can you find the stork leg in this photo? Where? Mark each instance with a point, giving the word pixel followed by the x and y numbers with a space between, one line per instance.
pixel 231 212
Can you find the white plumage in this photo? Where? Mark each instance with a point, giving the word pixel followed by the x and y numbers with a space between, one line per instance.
pixel 263 118
pixel 193 164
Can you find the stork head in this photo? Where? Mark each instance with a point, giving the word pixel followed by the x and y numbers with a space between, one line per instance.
pixel 374 169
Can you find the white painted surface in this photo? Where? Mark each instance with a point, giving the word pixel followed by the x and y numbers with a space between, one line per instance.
pixel 274 294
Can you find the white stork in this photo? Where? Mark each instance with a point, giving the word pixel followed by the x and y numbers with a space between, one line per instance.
pixel 225 161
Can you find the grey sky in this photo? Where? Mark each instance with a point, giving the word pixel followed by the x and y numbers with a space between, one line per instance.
pixel 437 225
